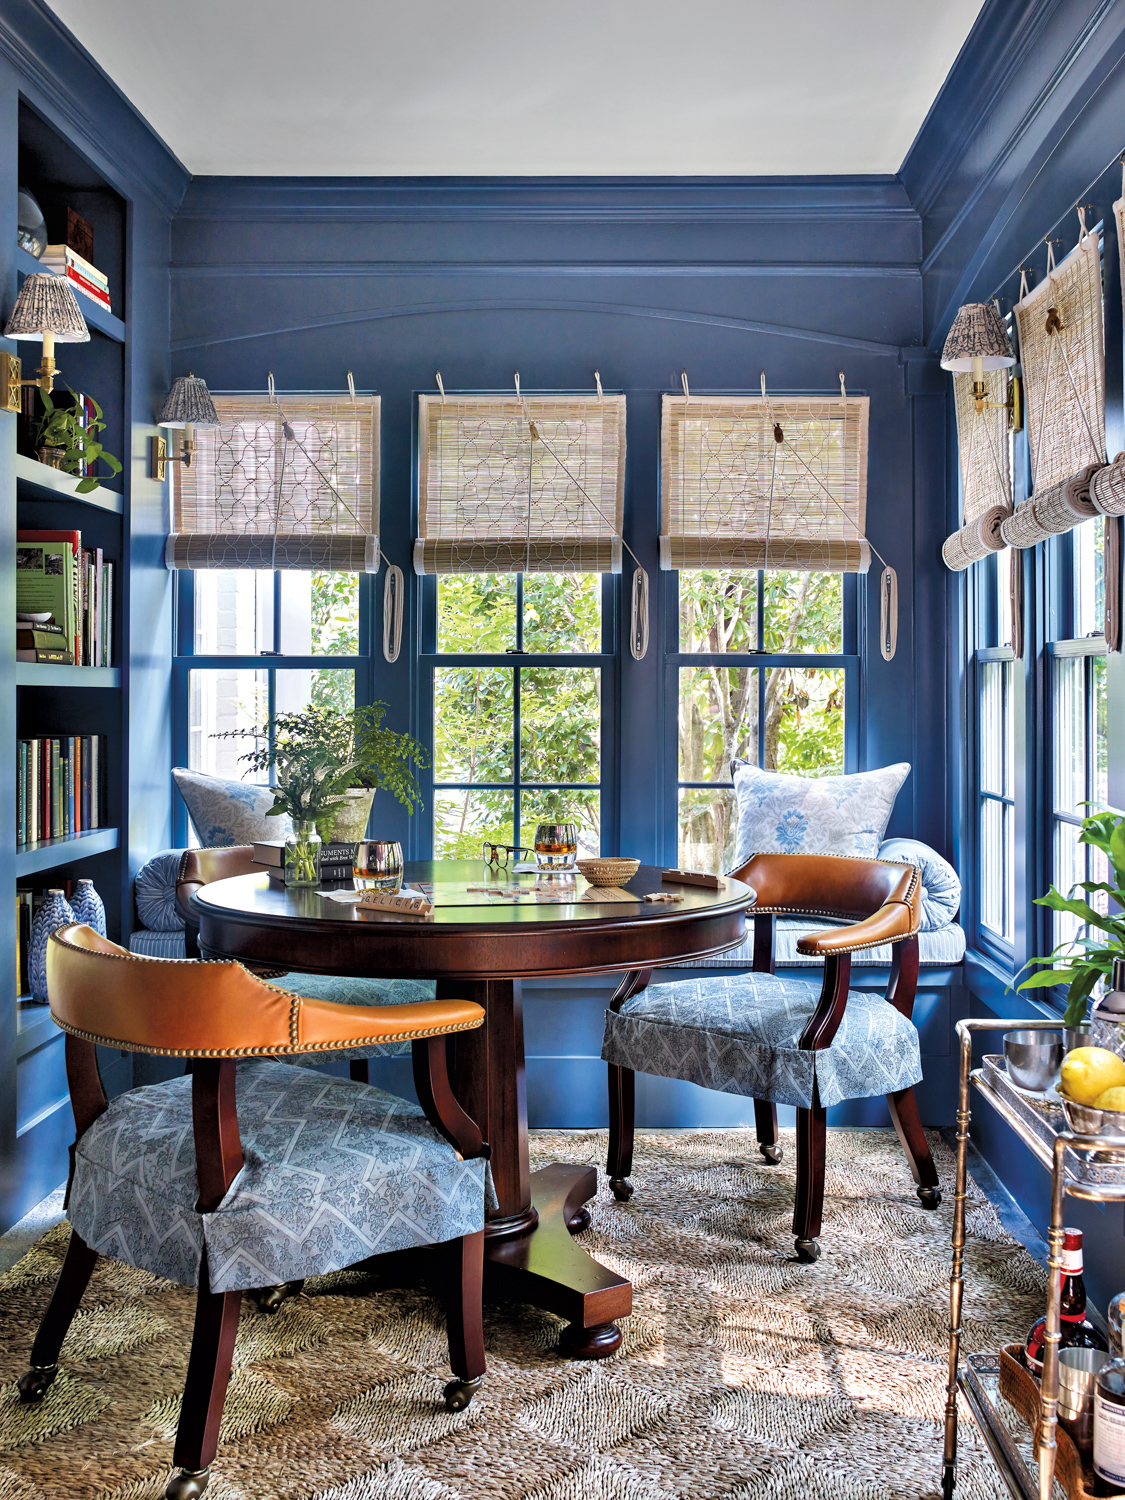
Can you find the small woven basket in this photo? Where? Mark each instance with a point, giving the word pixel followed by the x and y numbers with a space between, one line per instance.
pixel 609 871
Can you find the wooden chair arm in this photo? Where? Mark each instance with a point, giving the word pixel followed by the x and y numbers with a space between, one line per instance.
pixel 435 1095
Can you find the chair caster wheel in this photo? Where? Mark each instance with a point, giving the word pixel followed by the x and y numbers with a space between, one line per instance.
pixel 808 1251
pixel 929 1197
pixel 188 1484
pixel 35 1384
pixel 621 1188
pixel 268 1299
pixel 458 1393
pixel 771 1152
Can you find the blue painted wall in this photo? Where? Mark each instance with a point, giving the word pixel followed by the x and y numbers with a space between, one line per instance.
pixel 640 280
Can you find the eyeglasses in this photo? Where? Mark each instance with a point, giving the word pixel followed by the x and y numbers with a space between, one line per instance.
pixel 500 855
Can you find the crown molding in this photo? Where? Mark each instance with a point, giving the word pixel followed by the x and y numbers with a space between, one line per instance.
pixel 392 270
pixel 545 200
pixel 65 77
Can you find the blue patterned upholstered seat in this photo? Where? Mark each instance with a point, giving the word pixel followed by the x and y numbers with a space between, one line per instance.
pixel 739 1034
pixel 334 1171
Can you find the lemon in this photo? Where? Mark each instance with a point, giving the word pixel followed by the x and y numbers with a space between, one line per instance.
pixel 1111 1099
pixel 1089 1072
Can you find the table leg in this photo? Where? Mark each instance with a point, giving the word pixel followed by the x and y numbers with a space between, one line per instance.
pixel 530 1255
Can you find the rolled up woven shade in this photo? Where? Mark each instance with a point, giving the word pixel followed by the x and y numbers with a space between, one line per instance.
pixel 986 473
pixel 1061 347
pixel 495 498
pixel 733 496
pixel 1050 511
pixel 286 484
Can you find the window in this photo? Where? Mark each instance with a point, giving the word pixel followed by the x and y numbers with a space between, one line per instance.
pixel 996 790
pixel 766 673
pixel 1079 751
pixel 520 675
pixel 251 643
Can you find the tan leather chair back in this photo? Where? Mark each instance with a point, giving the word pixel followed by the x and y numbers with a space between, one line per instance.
pixel 185 1008
pixel 829 885
pixel 200 867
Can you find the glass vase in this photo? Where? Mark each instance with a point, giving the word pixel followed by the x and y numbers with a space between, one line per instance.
pixel 302 855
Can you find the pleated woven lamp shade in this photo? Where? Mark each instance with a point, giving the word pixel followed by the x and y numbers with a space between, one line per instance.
pixel 47 305
pixel 977 333
pixel 188 403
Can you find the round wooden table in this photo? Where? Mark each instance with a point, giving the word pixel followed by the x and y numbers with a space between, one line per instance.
pixel 483 952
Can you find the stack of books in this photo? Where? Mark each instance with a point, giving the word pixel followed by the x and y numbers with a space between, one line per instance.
pixel 61 260
pixel 59 787
pixel 72 585
pixel 336 860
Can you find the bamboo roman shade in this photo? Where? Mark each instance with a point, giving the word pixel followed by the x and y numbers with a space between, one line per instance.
pixel 520 485
pixel 291 483
pixel 1063 356
pixel 986 471
pixel 763 482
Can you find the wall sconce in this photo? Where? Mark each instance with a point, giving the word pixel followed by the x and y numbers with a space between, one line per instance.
pixel 45 309
pixel 188 405
pixel 978 341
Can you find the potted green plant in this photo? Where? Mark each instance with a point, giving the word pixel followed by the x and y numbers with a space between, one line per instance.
pixel 1080 962
pixel 64 442
pixel 328 765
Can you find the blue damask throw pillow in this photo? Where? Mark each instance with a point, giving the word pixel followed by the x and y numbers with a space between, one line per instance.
pixel 780 814
pixel 224 813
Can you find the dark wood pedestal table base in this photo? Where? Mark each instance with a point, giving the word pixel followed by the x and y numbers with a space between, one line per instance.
pixel 482 953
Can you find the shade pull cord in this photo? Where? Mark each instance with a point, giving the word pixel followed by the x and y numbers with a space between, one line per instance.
pixel 638 620
pixel 843 388
pixel 888 613
pixel 1085 233
pixel 351 385
pixel 598 383
pixel 273 398
pixel 1024 289
pixel 441 388
pixel 393 586
pixel 1050 257
pixel 683 379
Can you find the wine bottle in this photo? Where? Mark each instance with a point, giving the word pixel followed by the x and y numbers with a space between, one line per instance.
pixel 1075 1329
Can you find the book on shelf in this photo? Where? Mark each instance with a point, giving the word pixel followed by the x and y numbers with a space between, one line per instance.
pixel 55 574
pixel 61 260
pixel 59 787
pixel 25 911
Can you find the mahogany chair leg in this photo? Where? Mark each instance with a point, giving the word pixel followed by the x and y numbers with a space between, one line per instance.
pixel 357 1070
pixel 74 1277
pixel 812 1131
pixel 205 1389
pixel 765 1127
pixel 907 1122
pixel 464 1315
pixel 622 1115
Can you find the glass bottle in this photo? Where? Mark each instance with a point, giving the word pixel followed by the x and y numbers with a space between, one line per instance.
pixel 302 855
pixel 1109 1426
pixel 1115 1317
pixel 1075 1329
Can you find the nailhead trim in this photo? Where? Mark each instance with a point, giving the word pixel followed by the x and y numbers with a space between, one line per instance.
pixel 273 1051
pixel 803 911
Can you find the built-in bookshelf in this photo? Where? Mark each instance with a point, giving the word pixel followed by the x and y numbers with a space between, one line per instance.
pixel 62 700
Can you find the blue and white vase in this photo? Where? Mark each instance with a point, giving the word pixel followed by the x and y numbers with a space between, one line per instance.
pixel 88 907
pixel 54 912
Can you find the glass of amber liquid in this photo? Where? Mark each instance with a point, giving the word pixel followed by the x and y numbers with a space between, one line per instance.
pixel 377 865
pixel 556 846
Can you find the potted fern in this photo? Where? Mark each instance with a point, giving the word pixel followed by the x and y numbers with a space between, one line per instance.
pixel 64 442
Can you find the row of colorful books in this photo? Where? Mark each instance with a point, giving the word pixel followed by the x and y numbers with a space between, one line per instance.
pixel 61 260
pixel 64 600
pixel 60 787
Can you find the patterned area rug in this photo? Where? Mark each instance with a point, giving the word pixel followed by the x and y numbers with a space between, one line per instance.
pixel 743 1374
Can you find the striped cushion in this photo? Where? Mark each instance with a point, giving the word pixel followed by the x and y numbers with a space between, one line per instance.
pixel 938 949
pixel 157 944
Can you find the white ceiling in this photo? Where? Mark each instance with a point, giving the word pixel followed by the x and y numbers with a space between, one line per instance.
pixel 510 88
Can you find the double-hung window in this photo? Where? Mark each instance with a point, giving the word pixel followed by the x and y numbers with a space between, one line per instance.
pixel 1079 751
pixel 765 670
pixel 519 525
pixel 293 482
pixel 994 678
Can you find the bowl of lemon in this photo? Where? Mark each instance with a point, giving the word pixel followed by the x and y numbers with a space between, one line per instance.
pixel 1091 1090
